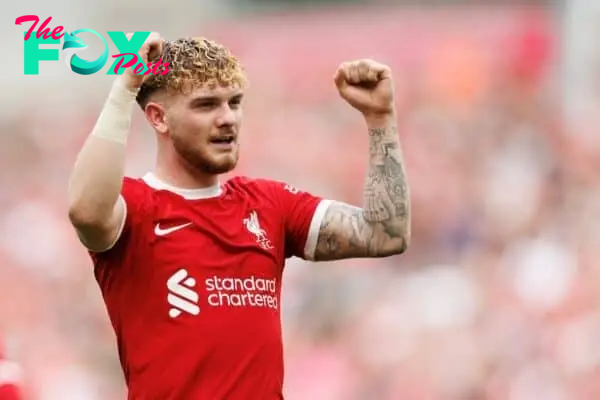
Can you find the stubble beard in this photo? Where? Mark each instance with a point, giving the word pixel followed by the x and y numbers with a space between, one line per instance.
pixel 203 162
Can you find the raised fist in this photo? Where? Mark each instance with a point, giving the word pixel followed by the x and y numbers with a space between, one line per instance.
pixel 150 50
pixel 367 86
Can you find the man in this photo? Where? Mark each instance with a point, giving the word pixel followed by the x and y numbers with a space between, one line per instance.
pixel 190 267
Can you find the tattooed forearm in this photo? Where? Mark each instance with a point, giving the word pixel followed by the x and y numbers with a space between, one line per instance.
pixel 386 191
pixel 381 228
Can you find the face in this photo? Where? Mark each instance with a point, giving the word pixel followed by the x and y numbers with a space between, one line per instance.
pixel 204 125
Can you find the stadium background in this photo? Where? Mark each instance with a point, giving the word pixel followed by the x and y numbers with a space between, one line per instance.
pixel 499 294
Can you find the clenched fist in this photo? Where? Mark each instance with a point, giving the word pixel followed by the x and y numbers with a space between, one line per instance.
pixel 367 86
pixel 151 49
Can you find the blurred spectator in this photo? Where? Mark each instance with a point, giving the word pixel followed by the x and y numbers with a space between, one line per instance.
pixel 11 378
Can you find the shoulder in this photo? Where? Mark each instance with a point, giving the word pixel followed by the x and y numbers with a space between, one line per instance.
pixel 135 185
pixel 246 182
pixel 136 192
pixel 271 186
pixel 255 187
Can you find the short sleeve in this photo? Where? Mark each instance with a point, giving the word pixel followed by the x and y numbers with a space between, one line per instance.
pixel 136 200
pixel 303 213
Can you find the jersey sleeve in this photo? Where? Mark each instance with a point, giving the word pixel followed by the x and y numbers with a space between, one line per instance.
pixel 137 203
pixel 303 213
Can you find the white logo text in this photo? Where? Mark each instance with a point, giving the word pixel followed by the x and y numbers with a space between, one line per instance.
pixel 242 292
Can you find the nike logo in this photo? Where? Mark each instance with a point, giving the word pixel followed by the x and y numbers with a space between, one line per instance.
pixel 158 231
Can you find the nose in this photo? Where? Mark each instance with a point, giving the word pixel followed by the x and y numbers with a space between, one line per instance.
pixel 226 116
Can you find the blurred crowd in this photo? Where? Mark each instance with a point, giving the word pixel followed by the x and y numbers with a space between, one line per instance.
pixel 498 296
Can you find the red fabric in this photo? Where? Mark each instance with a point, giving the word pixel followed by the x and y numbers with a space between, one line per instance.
pixel 196 311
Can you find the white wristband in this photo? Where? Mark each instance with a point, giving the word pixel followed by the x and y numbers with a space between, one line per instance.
pixel 114 122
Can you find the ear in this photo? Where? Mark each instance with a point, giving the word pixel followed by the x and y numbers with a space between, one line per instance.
pixel 157 117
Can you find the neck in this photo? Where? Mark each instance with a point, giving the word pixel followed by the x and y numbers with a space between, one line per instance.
pixel 177 172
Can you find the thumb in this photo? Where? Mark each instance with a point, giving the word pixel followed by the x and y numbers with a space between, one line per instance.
pixel 155 50
pixel 340 78
pixel 385 73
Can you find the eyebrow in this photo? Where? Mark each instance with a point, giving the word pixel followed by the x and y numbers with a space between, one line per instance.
pixel 205 99
pixel 213 99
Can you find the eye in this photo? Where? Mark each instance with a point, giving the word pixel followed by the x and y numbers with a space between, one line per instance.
pixel 206 105
pixel 236 102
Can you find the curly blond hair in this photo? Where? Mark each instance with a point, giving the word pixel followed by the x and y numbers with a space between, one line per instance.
pixel 193 62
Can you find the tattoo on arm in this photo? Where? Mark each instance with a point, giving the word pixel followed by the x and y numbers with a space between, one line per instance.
pixel 386 189
pixel 381 227
pixel 344 233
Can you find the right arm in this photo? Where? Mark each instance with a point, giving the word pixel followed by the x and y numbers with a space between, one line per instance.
pixel 96 209
pixel 95 183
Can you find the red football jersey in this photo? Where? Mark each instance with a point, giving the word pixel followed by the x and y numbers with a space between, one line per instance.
pixel 192 286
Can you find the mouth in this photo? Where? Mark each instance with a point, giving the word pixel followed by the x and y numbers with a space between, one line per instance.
pixel 223 142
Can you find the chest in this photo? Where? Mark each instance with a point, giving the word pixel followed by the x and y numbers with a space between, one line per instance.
pixel 225 259
pixel 232 239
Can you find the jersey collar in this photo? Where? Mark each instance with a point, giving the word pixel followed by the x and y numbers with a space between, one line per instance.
pixel 189 194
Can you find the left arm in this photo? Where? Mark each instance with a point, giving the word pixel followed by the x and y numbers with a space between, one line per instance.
pixel 382 226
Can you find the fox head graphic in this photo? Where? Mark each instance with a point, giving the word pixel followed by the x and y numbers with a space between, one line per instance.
pixel 72 45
